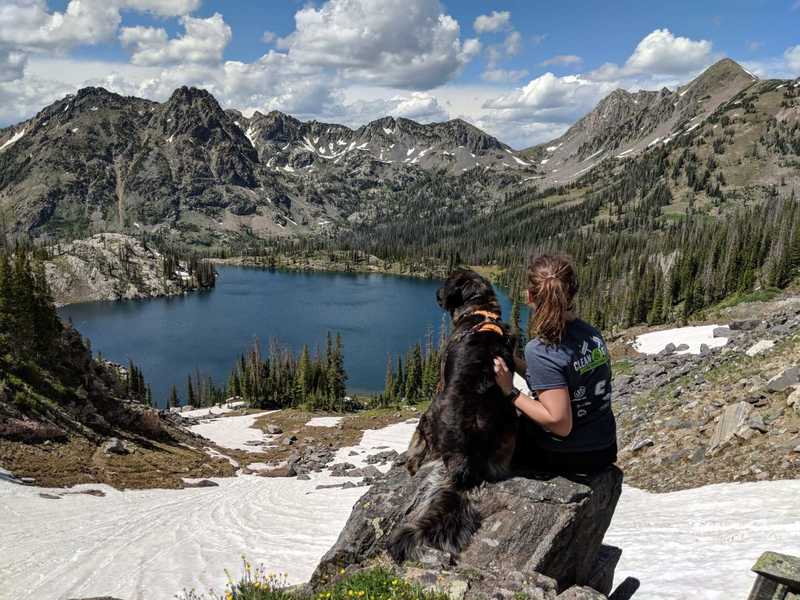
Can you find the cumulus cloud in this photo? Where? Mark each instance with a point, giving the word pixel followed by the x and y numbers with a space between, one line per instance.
pixel 792 57
pixel 660 52
pixel 497 21
pixel 395 43
pixel 163 8
pixel 203 41
pixel 562 60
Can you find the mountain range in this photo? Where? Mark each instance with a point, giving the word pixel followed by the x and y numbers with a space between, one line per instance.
pixel 98 161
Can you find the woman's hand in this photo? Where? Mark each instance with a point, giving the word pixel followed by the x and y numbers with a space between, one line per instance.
pixel 503 377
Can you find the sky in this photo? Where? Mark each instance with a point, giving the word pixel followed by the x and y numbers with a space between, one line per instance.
pixel 523 71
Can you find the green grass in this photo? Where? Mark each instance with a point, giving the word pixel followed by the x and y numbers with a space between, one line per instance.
pixel 372 584
pixel 764 295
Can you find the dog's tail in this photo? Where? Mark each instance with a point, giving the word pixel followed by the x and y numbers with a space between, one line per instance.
pixel 445 519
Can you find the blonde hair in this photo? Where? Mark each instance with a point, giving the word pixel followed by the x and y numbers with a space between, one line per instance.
pixel 552 284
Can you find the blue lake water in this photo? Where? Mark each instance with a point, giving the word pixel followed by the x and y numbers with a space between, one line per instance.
pixel 171 337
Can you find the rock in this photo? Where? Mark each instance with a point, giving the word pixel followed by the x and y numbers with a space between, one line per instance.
pixel 759 347
pixel 704 349
pixel 745 324
pixel 303 477
pixel 668 349
pixel 723 331
pixel 273 430
pixel 757 422
pixel 794 399
pixel 682 347
pixel 49 496
pixel 381 458
pixel 202 483
pixel 289 440
pixel 643 443
pixel 563 522
pixel 786 378
pixel 282 471
pixel 116 446
pixel 733 418
pixel 340 469
pixel 368 471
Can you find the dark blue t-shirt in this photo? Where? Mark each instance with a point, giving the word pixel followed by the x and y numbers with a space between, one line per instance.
pixel 581 364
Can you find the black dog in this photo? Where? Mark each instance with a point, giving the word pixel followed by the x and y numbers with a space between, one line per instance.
pixel 470 428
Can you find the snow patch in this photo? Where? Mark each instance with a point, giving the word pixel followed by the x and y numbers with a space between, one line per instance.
pixel 654 142
pixel 655 341
pixel 284 523
pixel 388 131
pixel 12 140
pixel 592 156
pixel 212 411
pixel 233 432
pixel 410 151
pixel 93 109
pixel 324 422
pixel 628 151
pixel 670 540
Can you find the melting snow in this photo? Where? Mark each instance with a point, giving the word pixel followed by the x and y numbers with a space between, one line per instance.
pixel 701 543
pixel 250 134
pixel 12 140
pixel 388 131
pixel 232 432
pixel 153 543
pixel 544 162
pixel 655 341
pixel 520 161
pixel 629 150
pixel 410 151
pixel 75 130
pixel 592 156
pixel 654 142
pixel 94 108
pixel 552 148
pixel 324 422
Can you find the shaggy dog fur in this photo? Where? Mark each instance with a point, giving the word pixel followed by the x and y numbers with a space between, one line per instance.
pixel 470 428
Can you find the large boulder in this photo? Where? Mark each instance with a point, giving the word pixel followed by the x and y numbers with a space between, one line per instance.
pixel 539 533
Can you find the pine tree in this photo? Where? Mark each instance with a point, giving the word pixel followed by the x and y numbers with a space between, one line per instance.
pixel 388 387
pixel 173 401
pixel 191 400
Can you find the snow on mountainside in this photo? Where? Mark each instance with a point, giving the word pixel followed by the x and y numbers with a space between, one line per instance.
pixel 626 123
pixel 98 160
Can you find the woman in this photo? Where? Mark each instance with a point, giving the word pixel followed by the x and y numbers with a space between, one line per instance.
pixel 570 427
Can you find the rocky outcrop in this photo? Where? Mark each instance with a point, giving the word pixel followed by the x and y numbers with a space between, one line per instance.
pixel 113 266
pixel 729 414
pixel 539 536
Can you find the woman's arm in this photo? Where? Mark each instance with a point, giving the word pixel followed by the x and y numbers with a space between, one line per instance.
pixel 552 410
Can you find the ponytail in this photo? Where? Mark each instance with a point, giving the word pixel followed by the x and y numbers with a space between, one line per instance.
pixel 552 283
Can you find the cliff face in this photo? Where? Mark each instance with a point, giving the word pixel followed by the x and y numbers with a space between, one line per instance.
pixel 112 266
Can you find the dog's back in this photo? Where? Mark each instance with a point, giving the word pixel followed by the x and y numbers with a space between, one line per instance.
pixel 470 428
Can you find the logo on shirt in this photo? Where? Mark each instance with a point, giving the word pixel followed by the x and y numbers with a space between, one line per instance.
pixel 591 360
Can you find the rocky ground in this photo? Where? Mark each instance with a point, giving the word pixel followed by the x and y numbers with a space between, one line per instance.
pixel 112 266
pixel 729 414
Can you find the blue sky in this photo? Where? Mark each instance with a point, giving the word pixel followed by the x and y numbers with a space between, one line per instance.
pixel 521 70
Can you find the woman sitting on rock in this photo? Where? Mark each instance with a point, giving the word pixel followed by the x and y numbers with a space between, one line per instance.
pixel 570 427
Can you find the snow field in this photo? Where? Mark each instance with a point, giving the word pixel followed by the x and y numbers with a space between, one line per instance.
pixel 655 341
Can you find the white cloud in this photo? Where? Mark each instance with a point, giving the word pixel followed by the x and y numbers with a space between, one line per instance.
pixel 204 41
pixel 792 57
pixel 504 75
pixel 513 43
pixel 12 64
pixel 395 43
pixel 269 37
pixel 660 52
pixel 27 24
pixel 562 60
pixel 497 21
pixel 548 99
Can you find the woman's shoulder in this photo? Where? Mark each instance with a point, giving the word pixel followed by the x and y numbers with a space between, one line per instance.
pixel 585 327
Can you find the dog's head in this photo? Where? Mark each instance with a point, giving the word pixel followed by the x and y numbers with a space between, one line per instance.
pixel 465 288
